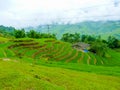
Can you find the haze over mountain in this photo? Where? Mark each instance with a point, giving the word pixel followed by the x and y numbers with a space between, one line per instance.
pixel 103 28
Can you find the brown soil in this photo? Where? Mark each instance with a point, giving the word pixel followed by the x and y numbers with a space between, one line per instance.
pixel 57 42
pixel 61 50
pixel 65 56
pixel 72 58
pixel 34 47
pixel 29 44
pixel 22 40
pixel 38 52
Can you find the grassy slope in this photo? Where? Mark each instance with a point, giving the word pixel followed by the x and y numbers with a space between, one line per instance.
pixel 103 70
pixel 64 52
pixel 57 52
pixel 22 76
pixel 15 75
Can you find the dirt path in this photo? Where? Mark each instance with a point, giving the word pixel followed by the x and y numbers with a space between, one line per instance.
pixel 6 59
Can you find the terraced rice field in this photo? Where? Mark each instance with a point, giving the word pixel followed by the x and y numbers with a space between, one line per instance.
pixel 54 50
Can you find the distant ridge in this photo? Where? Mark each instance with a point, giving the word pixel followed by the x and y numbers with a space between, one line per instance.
pixel 104 28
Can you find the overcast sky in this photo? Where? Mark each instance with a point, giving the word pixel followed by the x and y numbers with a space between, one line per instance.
pixel 23 13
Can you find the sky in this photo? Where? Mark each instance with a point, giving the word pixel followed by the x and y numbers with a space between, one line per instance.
pixel 24 13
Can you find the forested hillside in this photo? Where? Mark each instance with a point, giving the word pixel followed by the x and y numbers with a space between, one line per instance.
pixel 103 28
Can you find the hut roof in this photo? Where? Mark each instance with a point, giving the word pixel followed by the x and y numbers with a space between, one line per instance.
pixel 81 45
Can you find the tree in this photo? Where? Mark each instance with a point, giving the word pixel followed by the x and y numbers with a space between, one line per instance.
pixel 35 34
pixel 65 37
pixel 77 37
pixel 88 38
pixel 113 42
pixel 83 37
pixel 99 48
pixel 72 38
pixel 19 33
pixel 32 34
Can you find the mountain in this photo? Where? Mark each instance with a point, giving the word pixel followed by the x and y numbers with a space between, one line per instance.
pixel 103 28
pixel 4 29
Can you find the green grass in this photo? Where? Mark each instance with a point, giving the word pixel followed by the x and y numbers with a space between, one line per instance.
pixel 104 70
pixel 23 76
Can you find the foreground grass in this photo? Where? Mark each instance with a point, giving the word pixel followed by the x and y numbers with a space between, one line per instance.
pixel 24 76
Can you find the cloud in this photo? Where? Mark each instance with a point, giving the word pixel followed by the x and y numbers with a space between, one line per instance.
pixel 24 13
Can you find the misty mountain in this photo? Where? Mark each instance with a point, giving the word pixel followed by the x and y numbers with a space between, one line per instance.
pixel 103 28
pixel 4 29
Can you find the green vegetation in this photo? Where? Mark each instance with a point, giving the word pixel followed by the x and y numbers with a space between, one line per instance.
pixel 72 38
pixel 97 45
pixel 32 34
pixel 19 33
pixel 53 50
pixel 33 60
pixel 22 76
